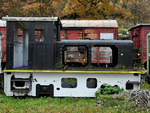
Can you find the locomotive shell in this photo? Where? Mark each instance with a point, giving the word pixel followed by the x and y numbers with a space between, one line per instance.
pixel 32 62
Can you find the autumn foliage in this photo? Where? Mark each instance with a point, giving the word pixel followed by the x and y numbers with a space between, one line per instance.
pixel 127 12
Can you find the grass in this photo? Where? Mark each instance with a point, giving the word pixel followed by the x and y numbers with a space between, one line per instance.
pixel 66 105
pixel 145 86
pixel 69 105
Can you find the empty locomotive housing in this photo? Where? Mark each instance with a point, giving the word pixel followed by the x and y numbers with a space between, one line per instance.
pixel 38 63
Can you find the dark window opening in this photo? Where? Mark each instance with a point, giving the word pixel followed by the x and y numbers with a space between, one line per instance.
pixel 45 90
pixel 19 83
pixel 20 34
pixel 129 86
pixel 57 88
pixel 91 83
pixel 1 35
pixel 75 55
pixel 68 82
pixel 104 56
pixel 38 36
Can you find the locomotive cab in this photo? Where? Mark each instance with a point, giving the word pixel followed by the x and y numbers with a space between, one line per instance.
pixel 31 42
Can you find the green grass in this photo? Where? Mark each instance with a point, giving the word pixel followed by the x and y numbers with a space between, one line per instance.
pixel 145 86
pixel 67 105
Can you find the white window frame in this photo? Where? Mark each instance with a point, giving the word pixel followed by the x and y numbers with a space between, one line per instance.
pixel 106 36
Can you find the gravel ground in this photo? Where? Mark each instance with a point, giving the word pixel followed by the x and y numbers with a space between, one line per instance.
pixel 140 98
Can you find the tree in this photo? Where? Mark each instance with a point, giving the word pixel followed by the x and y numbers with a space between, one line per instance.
pixel 97 9
pixel 140 11
pixel 83 9
pixel 127 12
pixel 32 7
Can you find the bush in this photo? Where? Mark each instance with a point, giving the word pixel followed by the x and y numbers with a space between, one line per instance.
pixel 123 31
pixel 108 89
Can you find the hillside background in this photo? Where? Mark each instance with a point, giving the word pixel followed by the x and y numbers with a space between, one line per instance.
pixel 127 12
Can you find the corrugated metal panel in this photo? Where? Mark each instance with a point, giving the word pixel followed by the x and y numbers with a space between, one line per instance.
pixel 2 23
pixel 30 18
pixel 87 33
pixel 90 23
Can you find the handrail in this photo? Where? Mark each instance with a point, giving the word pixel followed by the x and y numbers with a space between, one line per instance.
pixel 148 35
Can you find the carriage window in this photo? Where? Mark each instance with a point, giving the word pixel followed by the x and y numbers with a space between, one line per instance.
pixel 18 38
pixel 91 83
pixel 20 34
pixel 68 82
pixel 75 55
pixel 106 36
pixel 38 35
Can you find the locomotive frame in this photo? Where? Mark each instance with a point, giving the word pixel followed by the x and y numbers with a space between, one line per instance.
pixel 50 83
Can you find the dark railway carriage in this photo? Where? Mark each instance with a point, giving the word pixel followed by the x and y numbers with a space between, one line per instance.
pixel 38 63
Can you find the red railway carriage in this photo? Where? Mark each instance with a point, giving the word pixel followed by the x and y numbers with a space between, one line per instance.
pixel 3 39
pixel 138 34
pixel 90 30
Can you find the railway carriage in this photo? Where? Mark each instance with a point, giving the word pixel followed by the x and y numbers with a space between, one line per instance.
pixel 89 30
pixel 138 34
pixel 2 43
